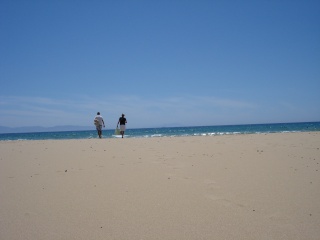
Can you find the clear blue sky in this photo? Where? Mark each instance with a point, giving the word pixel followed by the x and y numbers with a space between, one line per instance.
pixel 162 63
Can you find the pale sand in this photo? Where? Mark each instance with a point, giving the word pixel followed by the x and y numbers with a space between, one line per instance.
pixel 221 187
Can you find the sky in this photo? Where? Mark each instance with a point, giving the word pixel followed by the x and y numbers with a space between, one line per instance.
pixel 161 63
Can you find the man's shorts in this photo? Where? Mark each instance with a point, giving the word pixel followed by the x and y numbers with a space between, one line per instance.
pixel 122 128
pixel 99 128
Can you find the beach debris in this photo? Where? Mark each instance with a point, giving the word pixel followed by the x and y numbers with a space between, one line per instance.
pixel 65 170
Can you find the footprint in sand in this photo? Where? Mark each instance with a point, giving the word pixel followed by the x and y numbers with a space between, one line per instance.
pixel 212 188
pixel 211 184
pixel 225 202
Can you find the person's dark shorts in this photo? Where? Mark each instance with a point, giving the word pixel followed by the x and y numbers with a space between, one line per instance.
pixel 99 128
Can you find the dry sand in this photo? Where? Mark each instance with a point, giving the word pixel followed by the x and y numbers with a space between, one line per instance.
pixel 259 186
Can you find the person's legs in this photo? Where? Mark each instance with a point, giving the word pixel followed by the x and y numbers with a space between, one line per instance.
pixel 122 129
pixel 99 131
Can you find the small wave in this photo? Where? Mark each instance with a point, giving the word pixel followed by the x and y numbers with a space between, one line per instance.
pixel 156 135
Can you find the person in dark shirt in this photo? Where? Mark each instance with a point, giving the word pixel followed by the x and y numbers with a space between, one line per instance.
pixel 122 121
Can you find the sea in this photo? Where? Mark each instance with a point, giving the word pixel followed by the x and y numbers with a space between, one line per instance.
pixel 169 131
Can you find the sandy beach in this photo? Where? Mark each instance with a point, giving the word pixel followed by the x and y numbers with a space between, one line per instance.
pixel 257 186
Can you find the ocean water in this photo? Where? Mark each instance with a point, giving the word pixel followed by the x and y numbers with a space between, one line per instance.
pixel 170 132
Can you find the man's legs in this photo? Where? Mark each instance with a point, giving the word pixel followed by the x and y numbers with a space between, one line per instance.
pixel 99 131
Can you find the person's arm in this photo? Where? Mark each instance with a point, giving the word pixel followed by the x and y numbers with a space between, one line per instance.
pixel 103 123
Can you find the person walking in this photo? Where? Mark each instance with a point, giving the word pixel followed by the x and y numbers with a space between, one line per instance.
pixel 98 122
pixel 122 121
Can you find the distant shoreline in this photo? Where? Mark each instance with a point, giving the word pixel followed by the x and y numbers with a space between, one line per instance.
pixel 68 128
pixel 169 132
